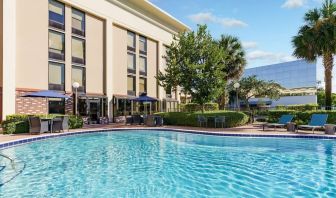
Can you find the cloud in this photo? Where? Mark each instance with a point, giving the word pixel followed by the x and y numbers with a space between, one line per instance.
pixel 203 17
pixel 208 17
pixel 290 4
pixel 249 44
pixel 227 22
pixel 269 56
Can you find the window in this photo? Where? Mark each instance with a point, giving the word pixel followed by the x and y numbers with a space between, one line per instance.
pixel 82 107
pixel 131 85
pixel 143 44
pixel 56 14
pixel 143 65
pixel 56 45
pixel 78 22
pixel 78 75
pixel 142 85
pixel 56 106
pixel 131 63
pixel 131 41
pixel 169 92
pixel 78 51
pixel 56 76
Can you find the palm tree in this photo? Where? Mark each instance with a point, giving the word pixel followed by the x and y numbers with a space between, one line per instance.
pixel 317 38
pixel 234 61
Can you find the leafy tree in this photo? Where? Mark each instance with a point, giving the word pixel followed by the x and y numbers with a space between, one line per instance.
pixel 194 62
pixel 170 79
pixel 321 98
pixel 317 38
pixel 252 87
pixel 234 61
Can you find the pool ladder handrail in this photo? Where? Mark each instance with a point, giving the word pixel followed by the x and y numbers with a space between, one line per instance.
pixel 9 158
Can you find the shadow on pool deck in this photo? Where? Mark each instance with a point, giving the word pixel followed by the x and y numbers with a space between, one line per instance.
pixel 253 129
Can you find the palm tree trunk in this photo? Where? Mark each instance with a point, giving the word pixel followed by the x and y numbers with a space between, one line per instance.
pixel 328 66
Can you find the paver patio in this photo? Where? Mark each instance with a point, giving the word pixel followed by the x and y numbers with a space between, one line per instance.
pixel 248 129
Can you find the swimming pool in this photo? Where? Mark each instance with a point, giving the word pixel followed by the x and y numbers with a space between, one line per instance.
pixel 169 164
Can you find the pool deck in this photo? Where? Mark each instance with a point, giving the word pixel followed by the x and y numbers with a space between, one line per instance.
pixel 254 129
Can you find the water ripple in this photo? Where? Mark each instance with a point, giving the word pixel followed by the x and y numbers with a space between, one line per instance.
pixel 165 164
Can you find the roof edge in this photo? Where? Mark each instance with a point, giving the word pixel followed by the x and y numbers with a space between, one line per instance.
pixel 167 14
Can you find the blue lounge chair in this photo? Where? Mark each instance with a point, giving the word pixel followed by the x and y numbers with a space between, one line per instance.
pixel 283 121
pixel 317 121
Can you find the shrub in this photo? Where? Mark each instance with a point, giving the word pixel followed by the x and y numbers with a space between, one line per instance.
pixel 232 119
pixel 303 107
pixel 15 124
pixel 75 122
pixel 8 127
pixel 193 107
pixel 301 117
pixel 274 115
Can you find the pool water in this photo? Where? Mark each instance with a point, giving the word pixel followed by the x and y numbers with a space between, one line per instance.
pixel 169 164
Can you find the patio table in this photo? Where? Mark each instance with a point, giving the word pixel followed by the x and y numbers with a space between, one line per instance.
pixel 49 120
pixel 330 129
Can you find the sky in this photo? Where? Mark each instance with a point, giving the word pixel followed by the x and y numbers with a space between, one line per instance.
pixel 265 27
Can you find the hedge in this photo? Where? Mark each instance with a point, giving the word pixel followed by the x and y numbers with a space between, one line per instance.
pixel 232 119
pixel 301 117
pixel 18 123
pixel 304 107
pixel 193 107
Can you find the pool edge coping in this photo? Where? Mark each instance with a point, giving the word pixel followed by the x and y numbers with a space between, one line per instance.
pixel 18 142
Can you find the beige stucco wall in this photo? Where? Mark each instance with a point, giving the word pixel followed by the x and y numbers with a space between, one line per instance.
pixel 68 44
pixel 119 77
pixel 32 48
pixel 29 65
pixel 151 68
pixel 105 9
pixel 94 55
pixel 32 44
pixel 1 43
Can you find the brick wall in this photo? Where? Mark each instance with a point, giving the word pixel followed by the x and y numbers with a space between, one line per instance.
pixel 30 105
pixel 69 105
pixel 37 105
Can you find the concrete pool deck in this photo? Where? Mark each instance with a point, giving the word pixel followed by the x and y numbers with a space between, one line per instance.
pixel 254 129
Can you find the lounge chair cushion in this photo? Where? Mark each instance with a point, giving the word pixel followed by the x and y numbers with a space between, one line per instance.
pixel 318 120
pixel 309 126
pixel 275 125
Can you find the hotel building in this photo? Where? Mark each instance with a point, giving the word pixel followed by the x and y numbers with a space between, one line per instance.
pixel 112 48
pixel 298 78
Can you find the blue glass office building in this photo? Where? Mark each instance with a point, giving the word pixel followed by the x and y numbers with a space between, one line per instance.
pixel 290 75
pixel 299 78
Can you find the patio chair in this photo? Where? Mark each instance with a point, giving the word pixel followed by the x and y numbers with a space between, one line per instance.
pixel 129 120
pixel 202 120
pixel 150 121
pixel 65 123
pixel 317 121
pixel 37 126
pixel 282 123
pixel 158 121
pixel 220 120
pixel 136 119
pixel 56 124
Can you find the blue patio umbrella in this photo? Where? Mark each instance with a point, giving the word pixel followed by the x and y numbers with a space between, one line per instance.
pixel 46 94
pixel 144 98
